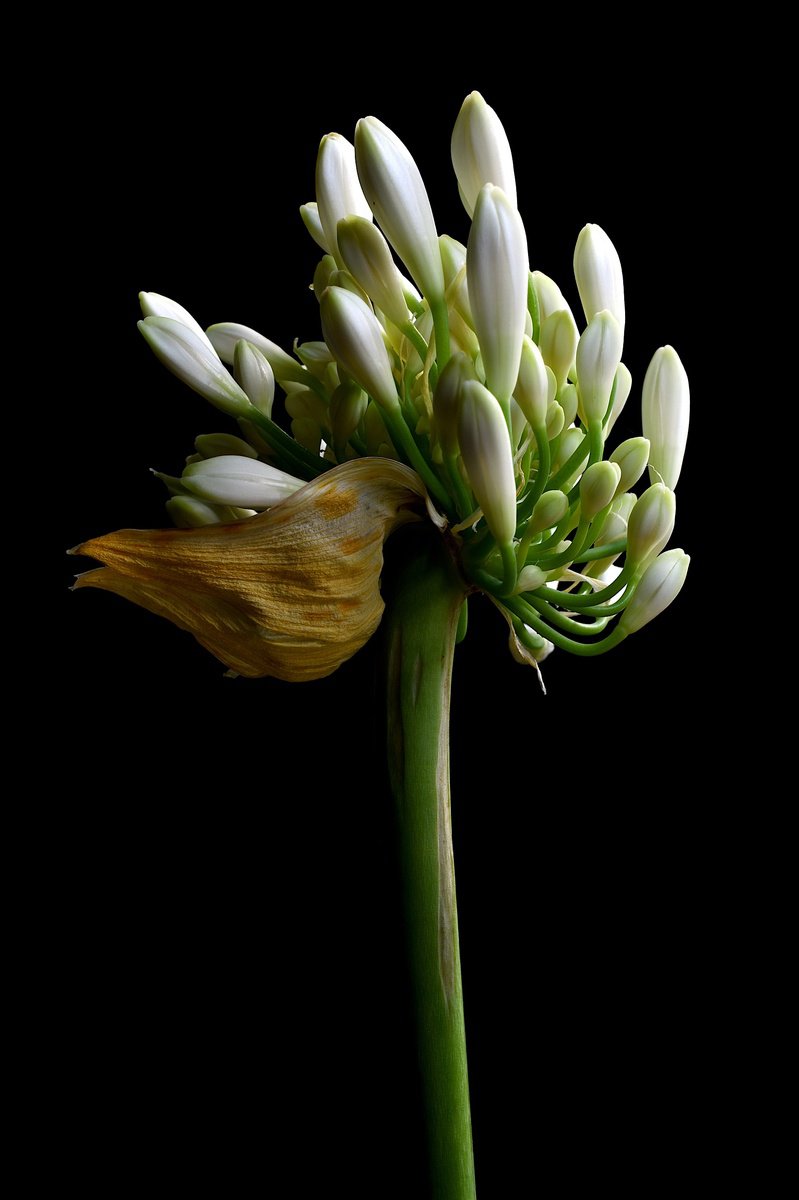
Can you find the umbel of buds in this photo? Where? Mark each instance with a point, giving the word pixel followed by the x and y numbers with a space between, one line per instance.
pixel 470 368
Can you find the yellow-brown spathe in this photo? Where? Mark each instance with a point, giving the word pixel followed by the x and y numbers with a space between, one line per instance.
pixel 293 592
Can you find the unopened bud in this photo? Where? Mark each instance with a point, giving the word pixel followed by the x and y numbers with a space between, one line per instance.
pixel 338 190
pixel 665 404
pixel 550 508
pixel 597 270
pixel 486 451
pixel 481 152
pixel 355 337
pixel 558 344
pixel 368 259
pixel 650 526
pixel 661 584
pixel 632 456
pixel 598 357
pixel 496 269
pixel 255 375
pixel 598 487
pixel 398 198
pixel 244 482
pixel 195 363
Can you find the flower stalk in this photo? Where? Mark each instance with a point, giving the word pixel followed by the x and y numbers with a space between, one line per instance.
pixel 424 599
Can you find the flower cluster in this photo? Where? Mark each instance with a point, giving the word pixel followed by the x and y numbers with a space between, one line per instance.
pixel 471 370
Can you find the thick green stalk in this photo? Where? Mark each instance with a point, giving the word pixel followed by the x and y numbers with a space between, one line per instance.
pixel 424 601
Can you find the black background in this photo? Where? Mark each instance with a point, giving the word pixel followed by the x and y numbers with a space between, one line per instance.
pixel 226 942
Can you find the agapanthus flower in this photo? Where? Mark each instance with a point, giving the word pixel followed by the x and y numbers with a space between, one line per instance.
pixel 480 383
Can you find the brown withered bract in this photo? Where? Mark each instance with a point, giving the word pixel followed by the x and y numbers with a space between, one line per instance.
pixel 293 592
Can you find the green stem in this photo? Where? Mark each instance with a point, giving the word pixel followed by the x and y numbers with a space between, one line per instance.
pixel 424 601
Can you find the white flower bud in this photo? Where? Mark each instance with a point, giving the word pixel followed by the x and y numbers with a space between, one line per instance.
pixel 665 405
pixel 368 259
pixel 558 343
pixel 615 527
pixel 598 358
pixel 395 190
pixel 195 363
pixel 550 297
pixel 597 270
pixel 598 487
pixel 567 399
pixel 661 583
pixel 532 392
pixel 530 578
pixel 224 336
pixel 338 191
pixel 153 305
pixel 355 337
pixel 244 482
pixel 624 383
pixel 189 512
pixel 555 420
pixel 550 508
pixel 481 152
pixel 447 401
pixel 211 445
pixel 255 375
pixel 496 269
pixel 486 452
pixel 347 407
pixel 632 456
pixel 650 525
pixel 312 222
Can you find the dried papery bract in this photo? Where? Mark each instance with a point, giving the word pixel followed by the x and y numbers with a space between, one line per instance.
pixel 291 593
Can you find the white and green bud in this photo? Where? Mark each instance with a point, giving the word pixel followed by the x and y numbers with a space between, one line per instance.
pixel 624 384
pixel 224 336
pixel 486 452
pixel 153 305
pixel 529 579
pixel 650 526
pixel 398 198
pixel 303 402
pixel 496 268
pixel 532 392
pixel 347 407
pixel 597 270
pixel 338 190
pixel 326 268
pixel 481 152
pixel 355 337
pixel 447 401
pixel 598 487
pixel 558 343
pixel 255 375
pixel 665 405
pixel 244 482
pixel 212 445
pixel 195 363
pixel 556 420
pixel 368 259
pixel 567 399
pixel 550 508
pixel 571 441
pixel 661 584
pixel 307 433
pixel 313 223
pixel 189 512
pixel 550 297
pixel 614 528
pixel 632 456
pixel 343 279
pixel 453 260
pixel 598 358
